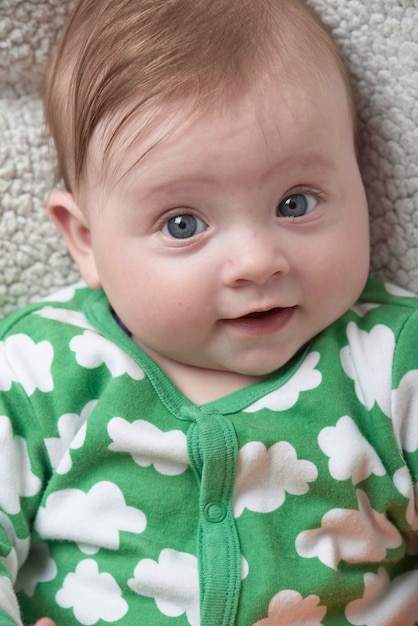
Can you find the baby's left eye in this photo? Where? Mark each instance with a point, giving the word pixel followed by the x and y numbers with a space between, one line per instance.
pixel 184 226
pixel 297 205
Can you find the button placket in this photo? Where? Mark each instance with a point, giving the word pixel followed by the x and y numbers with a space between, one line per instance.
pixel 213 453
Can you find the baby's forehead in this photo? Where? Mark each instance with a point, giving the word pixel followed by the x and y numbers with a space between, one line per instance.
pixel 141 52
pixel 142 118
pixel 141 130
pixel 152 133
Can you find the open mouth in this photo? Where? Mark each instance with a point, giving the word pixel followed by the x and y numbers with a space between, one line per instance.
pixel 262 322
pixel 260 315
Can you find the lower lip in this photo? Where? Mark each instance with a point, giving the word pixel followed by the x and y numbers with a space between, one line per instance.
pixel 258 326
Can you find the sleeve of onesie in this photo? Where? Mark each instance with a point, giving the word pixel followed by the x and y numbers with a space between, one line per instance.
pixel 404 412
pixel 23 465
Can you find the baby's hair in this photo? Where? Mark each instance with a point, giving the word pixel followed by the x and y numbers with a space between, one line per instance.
pixel 117 58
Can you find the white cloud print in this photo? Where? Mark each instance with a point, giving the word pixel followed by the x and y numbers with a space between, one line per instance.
pixel 15 469
pixel 367 360
pixel 405 411
pixel 363 308
pixel 403 483
pixel 8 600
pixel 92 519
pixel 290 605
pixel 32 361
pixel 92 350
pixel 266 475
pixel 66 316
pixel 173 582
pixel 20 547
pixel 350 536
pixel 350 454
pixel 66 293
pixel 92 595
pixel 39 568
pixel 148 445
pixel 304 379
pixel 398 291
pixel 72 431
pixel 386 602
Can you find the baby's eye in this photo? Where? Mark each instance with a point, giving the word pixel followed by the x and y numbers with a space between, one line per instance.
pixel 297 205
pixel 184 226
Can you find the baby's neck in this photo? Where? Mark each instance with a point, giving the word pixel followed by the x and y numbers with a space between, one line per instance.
pixel 202 385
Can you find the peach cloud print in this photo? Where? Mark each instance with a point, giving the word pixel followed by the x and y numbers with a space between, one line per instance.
pixel 303 611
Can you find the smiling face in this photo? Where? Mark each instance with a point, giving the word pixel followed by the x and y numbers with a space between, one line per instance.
pixel 229 240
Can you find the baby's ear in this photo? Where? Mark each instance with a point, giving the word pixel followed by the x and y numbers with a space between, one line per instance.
pixel 73 225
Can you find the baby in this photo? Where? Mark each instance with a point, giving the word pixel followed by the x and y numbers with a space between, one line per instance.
pixel 217 427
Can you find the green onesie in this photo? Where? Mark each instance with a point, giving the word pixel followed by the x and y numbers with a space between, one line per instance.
pixel 290 502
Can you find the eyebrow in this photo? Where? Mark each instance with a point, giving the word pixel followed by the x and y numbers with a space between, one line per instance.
pixel 314 159
pixel 318 160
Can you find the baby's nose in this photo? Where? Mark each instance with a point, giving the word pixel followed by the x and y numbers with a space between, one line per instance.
pixel 255 259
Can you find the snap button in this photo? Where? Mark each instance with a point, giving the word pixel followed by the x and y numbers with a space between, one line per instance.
pixel 215 512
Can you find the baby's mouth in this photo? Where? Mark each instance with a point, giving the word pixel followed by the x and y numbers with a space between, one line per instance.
pixel 268 322
pixel 260 314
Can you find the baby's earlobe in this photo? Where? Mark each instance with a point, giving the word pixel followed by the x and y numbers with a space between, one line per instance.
pixel 73 224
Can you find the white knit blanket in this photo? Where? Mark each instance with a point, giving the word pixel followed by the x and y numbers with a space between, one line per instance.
pixel 380 41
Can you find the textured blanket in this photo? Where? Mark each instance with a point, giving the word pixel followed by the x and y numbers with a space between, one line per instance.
pixel 380 41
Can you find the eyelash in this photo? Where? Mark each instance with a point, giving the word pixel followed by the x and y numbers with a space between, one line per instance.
pixel 299 192
pixel 304 190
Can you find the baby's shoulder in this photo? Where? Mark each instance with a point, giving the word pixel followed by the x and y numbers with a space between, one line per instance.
pixel 383 313
pixel 384 293
pixel 380 331
pixel 55 316
pixel 384 303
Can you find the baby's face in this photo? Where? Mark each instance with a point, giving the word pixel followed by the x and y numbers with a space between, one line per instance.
pixel 239 236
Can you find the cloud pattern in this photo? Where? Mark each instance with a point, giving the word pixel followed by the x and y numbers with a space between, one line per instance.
pixel 372 353
pixel 386 602
pixel 65 316
pixel 363 308
pixel 17 477
pixel 92 350
pixel 8 600
pixel 19 353
pixel 39 568
pixel 173 582
pixel 20 547
pixel 148 445
pixel 394 290
pixel 351 455
pixel 284 398
pixel 66 294
pixel 403 483
pixel 72 433
pixel 350 535
pixel 304 611
pixel 92 595
pixel 265 476
pixel 92 519
pixel 405 410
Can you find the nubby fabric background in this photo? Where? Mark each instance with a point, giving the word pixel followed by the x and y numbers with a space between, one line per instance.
pixel 379 38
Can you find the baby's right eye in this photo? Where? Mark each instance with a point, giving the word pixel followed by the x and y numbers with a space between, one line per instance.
pixel 184 226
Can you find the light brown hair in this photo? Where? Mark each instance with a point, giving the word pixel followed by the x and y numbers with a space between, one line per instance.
pixel 118 57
